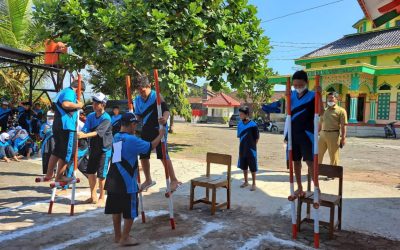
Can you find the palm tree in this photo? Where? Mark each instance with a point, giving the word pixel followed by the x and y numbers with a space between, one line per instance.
pixel 15 20
pixel 17 30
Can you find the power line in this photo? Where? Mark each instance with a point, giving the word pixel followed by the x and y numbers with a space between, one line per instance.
pixel 297 42
pixel 292 46
pixel 301 11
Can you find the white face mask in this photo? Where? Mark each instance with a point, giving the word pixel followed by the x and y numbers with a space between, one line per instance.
pixel 300 90
pixel 50 122
pixel 330 104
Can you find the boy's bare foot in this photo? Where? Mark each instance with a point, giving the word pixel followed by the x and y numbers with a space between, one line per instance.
pixel 146 185
pixel 7 160
pixel 253 187
pixel 245 184
pixel 64 179
pixel 90 201
pixel 299 193
pixel 100 202
pixel 128 242
pixel 175 185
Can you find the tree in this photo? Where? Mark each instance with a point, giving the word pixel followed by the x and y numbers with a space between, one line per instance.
pixel 18 30
pixel 219 40
pixel 257 93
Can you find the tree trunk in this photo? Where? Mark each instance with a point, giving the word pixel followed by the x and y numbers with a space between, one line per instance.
pixel 171 124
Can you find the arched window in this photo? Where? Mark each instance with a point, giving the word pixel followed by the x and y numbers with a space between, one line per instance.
pixel 385 86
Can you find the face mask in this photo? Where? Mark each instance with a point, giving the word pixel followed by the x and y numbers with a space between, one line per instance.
pixel 50 122
pixel 300 90
pixel 330 104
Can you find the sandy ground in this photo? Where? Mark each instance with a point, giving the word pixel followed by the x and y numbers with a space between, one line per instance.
pixel 257 220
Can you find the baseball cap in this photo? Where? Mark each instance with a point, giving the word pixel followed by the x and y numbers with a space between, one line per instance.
pixel 18 128
pixel 129 117
pixel 100 97
pixel 4 103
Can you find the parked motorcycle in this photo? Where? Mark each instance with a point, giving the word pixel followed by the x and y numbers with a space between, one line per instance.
pixel 390 130
pixel 267 126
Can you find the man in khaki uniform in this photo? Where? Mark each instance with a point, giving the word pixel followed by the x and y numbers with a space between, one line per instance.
pixel 332 130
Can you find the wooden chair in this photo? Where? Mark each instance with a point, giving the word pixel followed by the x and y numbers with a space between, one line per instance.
pixel 327 200
pixel 213 183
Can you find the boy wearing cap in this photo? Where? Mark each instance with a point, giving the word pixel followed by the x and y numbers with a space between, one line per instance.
pixel 121 183
pixel 146 110
pixel 5 112
pixel 247 132
pixel 98 128
pixel 66 105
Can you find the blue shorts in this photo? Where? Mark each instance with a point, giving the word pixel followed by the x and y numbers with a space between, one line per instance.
pixel 99 164
pixel 125 204
pixel 303 149
pixel 248 162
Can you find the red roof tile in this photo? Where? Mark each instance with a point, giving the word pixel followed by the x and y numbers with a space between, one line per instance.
pixel 222 100
pixel 195 99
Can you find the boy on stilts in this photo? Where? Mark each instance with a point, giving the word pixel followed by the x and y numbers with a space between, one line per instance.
pixel 248 133
pixel 121 184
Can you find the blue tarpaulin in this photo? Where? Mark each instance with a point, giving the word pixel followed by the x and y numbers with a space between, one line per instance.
pixel 274 107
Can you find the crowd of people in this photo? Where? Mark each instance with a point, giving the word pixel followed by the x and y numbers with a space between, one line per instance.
pixel 20 130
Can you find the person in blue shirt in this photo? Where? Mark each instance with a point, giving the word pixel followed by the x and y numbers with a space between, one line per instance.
pixel 247 132
pixel 146 110
pixel 6 150
pixel 303 109
pixel 121 184
pixel 116 120
pixel 47 145
pixel 37 109
pixel 98 129
pixel 5 113
pixel 64 130
pixel 25 117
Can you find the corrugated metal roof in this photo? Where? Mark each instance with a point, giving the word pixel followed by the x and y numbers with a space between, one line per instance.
pixel 382 39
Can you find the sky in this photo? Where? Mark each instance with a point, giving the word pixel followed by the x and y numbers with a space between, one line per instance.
pixel 296 35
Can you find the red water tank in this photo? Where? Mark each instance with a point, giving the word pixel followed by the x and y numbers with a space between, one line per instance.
pixel 52 51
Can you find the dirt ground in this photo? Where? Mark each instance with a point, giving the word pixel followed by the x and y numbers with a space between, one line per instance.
pixel 364 159
pixel 256 220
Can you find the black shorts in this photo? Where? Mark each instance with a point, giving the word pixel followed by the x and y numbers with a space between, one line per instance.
pixel 150 137
pixel 99 163
pixel 248 162
pixel 303 149
pixel 127 204
pixel 64 144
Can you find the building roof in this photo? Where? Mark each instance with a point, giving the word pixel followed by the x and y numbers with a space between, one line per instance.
pixel 375 40
pixel 195 100
pixel 222 100
pixel 14 53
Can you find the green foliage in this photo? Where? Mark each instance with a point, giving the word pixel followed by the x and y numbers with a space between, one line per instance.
pixel 226 119
pixel 219 40
pixel 18 30
pixel 258 92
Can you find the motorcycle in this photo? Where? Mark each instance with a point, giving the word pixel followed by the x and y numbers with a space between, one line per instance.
pixel 390 130
pixel 267 126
